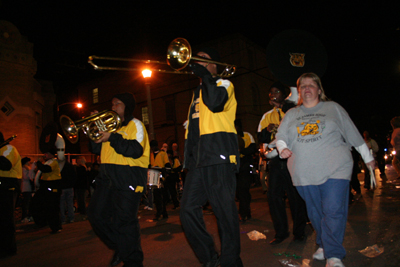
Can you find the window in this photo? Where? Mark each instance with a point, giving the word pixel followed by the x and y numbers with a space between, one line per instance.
pixel 145 116
pixel 95 94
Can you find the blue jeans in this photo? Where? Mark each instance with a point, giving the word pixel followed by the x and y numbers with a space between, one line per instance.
pixel 67 199
pixel 327 207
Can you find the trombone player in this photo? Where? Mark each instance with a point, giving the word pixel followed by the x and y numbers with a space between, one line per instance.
pixel 211 156
pixel 125 156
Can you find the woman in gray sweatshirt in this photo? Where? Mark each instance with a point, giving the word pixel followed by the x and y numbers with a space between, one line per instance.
pixel 316 137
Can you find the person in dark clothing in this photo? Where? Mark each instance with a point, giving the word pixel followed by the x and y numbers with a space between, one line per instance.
pixel 10 174
pixel 354 182
pixel 49 191
pixel 280 183
pixel 81 185
pixel 121 182
pixel 159 159
pixel 247 149
pixel 172 178
pixel 68 180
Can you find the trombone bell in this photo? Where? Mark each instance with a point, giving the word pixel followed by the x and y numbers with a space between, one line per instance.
pixel 179 53
pixel 105 121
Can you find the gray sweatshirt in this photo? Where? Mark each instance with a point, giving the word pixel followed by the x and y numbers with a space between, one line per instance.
pixel 320 139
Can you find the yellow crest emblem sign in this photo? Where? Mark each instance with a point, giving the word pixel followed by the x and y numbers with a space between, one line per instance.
pixel 297 59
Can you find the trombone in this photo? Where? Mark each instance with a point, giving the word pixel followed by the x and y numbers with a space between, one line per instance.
pixel 179 55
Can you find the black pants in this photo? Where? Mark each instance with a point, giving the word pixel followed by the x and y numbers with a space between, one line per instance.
pixel 113 216
pixel 171 182
pixel 244 181
pixel 8 245
pixel 217 184
pixel 161 200
pixel 81 199
pixel 279 183
pixel 26 202
pixel 46 208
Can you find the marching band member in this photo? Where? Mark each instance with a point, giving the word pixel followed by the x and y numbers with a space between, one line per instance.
pixel 10 174
pixel 50 190
pixel 120 184
pixel 159 158
pixel 279 180
pixel 212 158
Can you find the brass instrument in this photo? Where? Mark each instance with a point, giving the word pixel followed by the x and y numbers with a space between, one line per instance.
pixel 6 142
pixel 179 55
pixel 105 121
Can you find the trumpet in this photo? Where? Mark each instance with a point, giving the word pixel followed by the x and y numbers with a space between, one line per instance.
pixel 179 55
pixel 105 121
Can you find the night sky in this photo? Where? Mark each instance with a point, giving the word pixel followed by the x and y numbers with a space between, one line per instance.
pixel 362 39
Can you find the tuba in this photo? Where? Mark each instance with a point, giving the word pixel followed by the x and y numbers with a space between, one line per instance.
pixel 105 121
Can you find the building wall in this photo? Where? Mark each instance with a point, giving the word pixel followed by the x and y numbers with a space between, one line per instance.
pixel 21 101
pixel 174 92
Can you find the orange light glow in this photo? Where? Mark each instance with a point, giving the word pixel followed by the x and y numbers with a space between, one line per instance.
pixel 146 73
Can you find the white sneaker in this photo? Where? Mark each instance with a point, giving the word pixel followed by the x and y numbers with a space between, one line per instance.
pixel 319 254
pixel 334 262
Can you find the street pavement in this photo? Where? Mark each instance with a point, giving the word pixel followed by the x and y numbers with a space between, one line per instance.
pixel 373 220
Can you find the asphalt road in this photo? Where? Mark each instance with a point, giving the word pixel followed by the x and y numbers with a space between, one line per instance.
pixel 373 220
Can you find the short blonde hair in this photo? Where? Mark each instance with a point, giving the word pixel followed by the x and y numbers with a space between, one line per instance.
pixel 317 80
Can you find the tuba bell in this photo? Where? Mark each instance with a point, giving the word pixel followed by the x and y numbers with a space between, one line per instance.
pixel 105 121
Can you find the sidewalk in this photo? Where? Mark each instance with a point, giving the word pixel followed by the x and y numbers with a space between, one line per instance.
pixel 373 219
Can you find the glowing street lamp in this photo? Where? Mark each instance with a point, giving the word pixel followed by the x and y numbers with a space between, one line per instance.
pixel 78 105
pixel 147 75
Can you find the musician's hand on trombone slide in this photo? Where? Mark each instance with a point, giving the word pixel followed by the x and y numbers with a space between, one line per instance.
pixel 199 70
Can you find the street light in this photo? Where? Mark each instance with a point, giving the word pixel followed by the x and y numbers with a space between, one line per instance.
pixel 78 105
pixel 147 75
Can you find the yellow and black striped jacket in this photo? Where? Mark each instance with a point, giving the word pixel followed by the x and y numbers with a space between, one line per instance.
pixel 211 135
pixel 125 157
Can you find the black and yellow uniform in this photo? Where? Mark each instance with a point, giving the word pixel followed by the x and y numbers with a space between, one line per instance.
pixel 10 174
pixel 280 184
pixel 120 185
pixel 211 156
pixel 245 176
pixel 47 198
pixel 172 179
pixel 161 194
